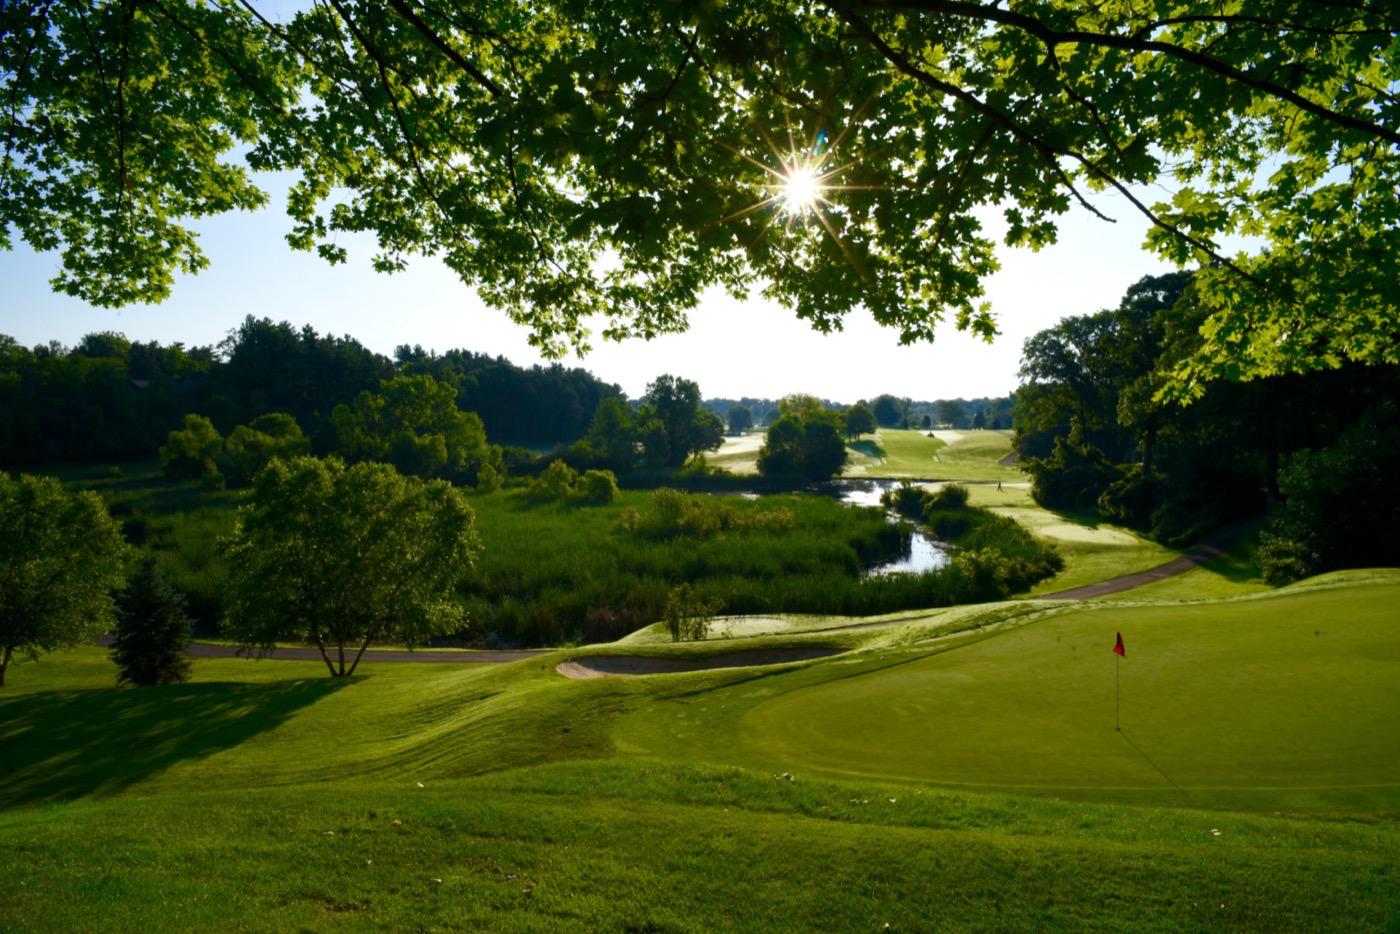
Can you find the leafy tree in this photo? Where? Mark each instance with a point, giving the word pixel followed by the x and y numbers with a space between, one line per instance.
pixel 859 421
pixel 1029 108
pixel 823 451
pixel 927 422
pixel 1074 476
pixel 413 423
pixel 1341 507
pixel 249 447
pixel 673 405
pixel 194 451
pixel 612 435
pixel 740 419
pixel 534 404
pixel 889 411
pixel 804 450
pixel 979 421
pixel 951 412
pixel 152 631
pixel 806 408
pixel 344 556
pixel 61 558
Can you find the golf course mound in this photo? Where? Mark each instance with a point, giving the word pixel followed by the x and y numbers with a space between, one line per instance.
pixel 612 666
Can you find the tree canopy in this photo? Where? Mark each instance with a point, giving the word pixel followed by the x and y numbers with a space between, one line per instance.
pixel 1298 447
pixel 581 157
pixel 61 558
pixel 343 556
pixel 412 422
pixel 805 443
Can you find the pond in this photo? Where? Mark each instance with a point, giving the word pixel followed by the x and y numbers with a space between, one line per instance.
pixel 926 553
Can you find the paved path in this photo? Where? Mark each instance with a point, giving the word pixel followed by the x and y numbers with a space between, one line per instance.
pixel 312 654
pixel 1192 559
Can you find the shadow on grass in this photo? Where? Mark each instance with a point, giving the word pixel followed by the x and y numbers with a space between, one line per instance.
pixel 868 448
pixel 1240 562
pixel 58 745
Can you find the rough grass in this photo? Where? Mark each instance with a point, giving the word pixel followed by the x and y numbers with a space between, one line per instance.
pixel 259 797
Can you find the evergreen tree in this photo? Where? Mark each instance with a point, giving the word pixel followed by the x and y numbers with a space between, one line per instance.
pixel 152 631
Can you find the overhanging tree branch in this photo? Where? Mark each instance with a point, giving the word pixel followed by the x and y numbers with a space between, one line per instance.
pixel 1047 151
pixel 1054 37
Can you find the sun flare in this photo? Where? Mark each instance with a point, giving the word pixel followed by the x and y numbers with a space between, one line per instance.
pixel 800 189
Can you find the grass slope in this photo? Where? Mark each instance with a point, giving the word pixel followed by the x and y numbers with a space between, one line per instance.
pixel 948 455
pixel 507 797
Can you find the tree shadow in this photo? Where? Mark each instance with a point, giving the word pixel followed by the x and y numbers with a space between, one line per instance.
pixel 868 448
pixel 58 745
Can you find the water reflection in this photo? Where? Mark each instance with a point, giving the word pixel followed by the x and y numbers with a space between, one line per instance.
pixel 925 552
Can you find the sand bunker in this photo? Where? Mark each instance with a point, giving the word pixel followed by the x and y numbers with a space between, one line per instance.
pixel 613 666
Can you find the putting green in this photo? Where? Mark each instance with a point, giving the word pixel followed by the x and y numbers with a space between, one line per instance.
pixel 1285 701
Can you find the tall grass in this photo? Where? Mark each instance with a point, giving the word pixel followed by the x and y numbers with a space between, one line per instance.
pixel 552 572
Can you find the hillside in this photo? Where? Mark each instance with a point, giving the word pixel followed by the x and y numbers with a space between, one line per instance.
pixel 508 795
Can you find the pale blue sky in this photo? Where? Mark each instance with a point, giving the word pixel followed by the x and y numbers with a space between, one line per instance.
pixel 732 349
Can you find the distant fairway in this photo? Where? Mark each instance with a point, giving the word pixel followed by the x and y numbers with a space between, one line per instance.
pixel 949 455
pixel 739 453
pixel 1287 701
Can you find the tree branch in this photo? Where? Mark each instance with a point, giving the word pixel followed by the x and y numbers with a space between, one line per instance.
pixel 1053 37
pixel 404 10
pixel 1049 152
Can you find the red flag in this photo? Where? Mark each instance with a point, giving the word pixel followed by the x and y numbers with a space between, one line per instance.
pixel 1118 647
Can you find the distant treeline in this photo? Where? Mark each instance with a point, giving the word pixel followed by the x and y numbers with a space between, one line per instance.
pixel 893 411
pixel 1316 452
pixel 109 397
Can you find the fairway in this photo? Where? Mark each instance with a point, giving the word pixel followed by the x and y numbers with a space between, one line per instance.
pixel 910 454
pixel 1284 701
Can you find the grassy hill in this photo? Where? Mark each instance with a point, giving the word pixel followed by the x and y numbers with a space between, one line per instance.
pixel 956 768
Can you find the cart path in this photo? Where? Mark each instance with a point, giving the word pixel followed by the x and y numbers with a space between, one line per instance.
pixel 1192 559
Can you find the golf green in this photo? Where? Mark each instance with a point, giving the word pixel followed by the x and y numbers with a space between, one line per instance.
pixel 1286 701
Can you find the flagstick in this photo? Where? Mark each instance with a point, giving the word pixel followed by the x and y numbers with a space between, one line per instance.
pixel 1116 659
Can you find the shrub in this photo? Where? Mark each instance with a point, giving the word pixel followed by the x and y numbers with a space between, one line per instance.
pixel 949 496
pixel 558 482
pixel 489 479
pixel 687 616
pixel 598 487
pixel 906 499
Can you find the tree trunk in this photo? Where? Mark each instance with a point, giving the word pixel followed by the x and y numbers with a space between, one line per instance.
pixel 340 651
pixel 324 657
pixel 5 663
pixel 359 655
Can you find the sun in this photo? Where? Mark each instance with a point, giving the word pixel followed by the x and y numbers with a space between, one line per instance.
pixel 800 189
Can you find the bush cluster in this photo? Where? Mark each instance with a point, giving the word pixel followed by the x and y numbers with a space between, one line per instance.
pixel 561 483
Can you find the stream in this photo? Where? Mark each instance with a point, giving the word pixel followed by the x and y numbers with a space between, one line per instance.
pixel 925 552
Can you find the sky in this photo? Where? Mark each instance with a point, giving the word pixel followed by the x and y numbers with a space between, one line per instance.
pixel 732 349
